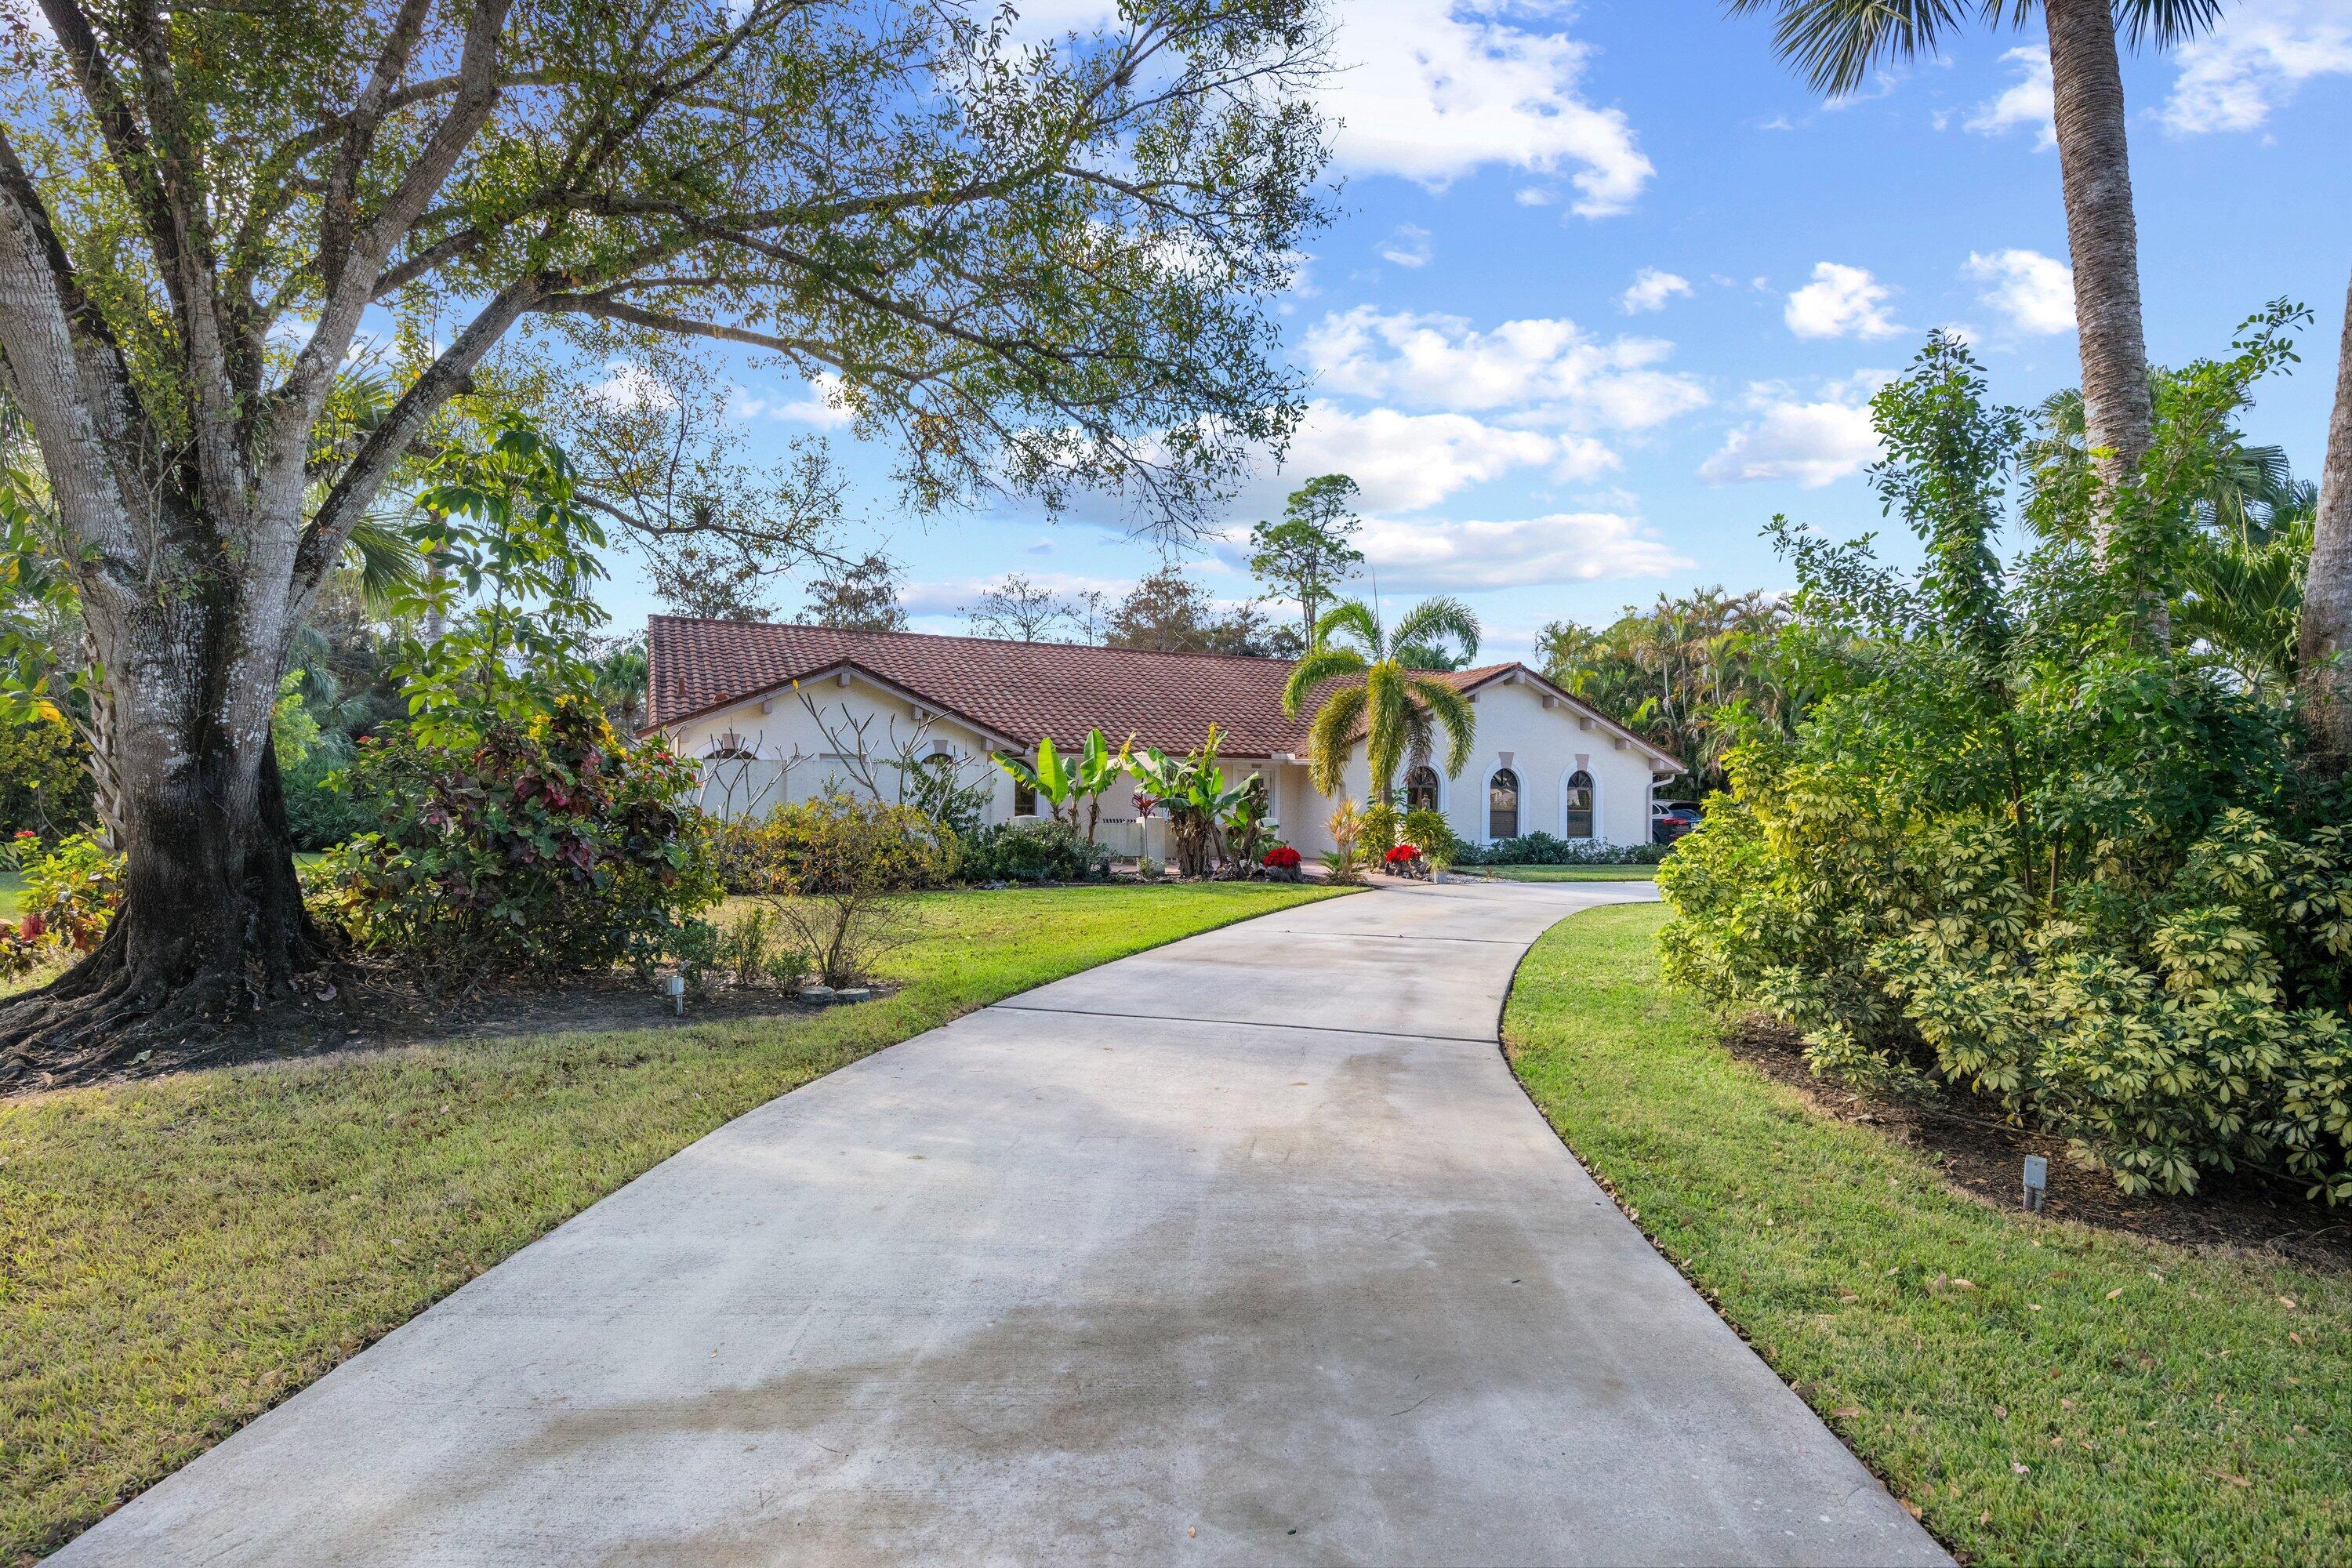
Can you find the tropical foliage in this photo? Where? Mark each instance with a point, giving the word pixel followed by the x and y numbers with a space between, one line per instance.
pixel 1683 674
pixel 1065 786
pixel 1202 807
pixel 543 843
pixel 1368 684
pixel 2020 848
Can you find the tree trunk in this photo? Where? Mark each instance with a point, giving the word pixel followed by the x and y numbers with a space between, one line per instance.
pixel 2323 639
pixel 212 917
pixel 2101 235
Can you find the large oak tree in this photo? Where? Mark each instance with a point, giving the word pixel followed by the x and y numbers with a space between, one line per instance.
pixel 1036 266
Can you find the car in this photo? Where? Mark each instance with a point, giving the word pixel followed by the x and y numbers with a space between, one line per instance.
pixel 1670 819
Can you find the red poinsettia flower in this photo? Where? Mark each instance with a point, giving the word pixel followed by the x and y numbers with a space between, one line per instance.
pixel 1282 857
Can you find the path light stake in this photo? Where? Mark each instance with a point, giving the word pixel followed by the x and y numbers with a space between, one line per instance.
pixel 675 986
pixel 2037 1181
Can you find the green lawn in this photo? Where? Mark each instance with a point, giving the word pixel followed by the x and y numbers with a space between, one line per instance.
pixel 1566 873
pixel 183 1254
pixel 2042 1391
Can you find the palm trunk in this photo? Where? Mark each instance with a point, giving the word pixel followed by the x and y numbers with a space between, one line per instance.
pixel 2102 237
pixel 2323 643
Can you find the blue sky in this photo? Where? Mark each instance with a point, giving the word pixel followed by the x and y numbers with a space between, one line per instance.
pixel 1609 287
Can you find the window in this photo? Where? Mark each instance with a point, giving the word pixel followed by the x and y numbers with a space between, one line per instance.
pixel 1577 821
pixel 1503 805
pixel 728 748
pixel 1420 789
pixel 1024 799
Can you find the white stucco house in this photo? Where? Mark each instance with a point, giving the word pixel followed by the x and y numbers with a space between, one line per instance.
pixel 786 712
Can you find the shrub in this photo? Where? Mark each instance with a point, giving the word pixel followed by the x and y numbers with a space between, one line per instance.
pixel 1038 851
pixel 1282 857
pixel 43 776
pixel 1543 849
pixel 548 845
pixel 1380 830
pixel 1434 834
pixel 71 893
pixel 754 949
pixel 321 812
pixel 840 883
pixel 2024 848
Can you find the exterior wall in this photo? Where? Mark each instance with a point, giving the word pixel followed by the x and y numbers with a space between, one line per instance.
pixel 795 760
pixel 1545 747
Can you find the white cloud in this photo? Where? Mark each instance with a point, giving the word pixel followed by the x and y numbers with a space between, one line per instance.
pixel 2035 291
pixel 1407 462
pixel 629 385
pixel 1547 370
pixel 2232 79
pixel 1432 89
pixel 1562 547
pixel 1435 90
pixel 1841 301
pixel 1807 441
pixel 2026 101
pixel 1408 247
pixel 1651 290
pixel 819 403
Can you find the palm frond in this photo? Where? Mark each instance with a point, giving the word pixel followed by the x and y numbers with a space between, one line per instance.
pixel 1352 619
pixel 1324 664
pixel 1454 715
pixel 387 558
pixel 1332 736
pixel 2164 23
pixel 1386 699
pixel 1432 621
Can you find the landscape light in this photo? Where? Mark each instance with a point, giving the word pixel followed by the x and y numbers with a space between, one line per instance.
pixel 2037 1181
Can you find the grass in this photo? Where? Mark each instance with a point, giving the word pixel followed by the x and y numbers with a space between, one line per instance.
pixel 1565 873
pixel 181 1254
pixel 2040 1392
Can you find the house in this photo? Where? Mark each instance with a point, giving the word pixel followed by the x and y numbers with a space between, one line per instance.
pixel 786 712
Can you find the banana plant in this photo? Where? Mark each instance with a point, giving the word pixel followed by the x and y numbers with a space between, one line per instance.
pixel 1050 777
pixel 1198 800
pixel 1096 770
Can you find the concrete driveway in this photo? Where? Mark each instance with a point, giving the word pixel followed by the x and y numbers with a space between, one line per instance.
pixel 1245 1250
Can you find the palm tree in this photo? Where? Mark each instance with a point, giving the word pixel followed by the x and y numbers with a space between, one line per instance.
pixel 2324 651
pixel 1837 43
pixel 1374 689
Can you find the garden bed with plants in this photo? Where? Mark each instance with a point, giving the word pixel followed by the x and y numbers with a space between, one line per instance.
pixel 2034 1389
pixel 1984 1157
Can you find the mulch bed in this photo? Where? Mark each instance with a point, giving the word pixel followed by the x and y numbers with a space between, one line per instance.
pixel 367 1009
pixel 1983 1158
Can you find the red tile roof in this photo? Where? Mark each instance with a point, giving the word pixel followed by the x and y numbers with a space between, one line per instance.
pixel 1022 690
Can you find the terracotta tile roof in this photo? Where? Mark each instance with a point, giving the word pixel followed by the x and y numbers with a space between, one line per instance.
pixel 1022 690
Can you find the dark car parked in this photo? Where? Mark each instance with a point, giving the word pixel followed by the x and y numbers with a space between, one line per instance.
pixel 1670 819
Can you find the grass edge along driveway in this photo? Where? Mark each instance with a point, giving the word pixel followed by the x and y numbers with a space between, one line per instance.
pixel 2038 1392
pixel 178 1256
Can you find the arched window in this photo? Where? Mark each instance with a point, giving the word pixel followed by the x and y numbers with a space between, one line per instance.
pixel 1576 821
pixel 1503 805
pixel 1420 789
pixel 728 748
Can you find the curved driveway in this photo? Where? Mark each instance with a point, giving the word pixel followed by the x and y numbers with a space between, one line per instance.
pixel 1245 1250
